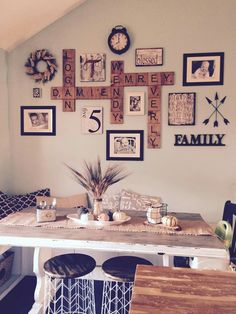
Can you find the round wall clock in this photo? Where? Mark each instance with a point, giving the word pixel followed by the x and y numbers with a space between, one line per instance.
pixel 118 40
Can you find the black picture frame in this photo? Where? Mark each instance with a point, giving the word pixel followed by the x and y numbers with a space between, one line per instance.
pixel 181 108
pixel 38 120
pixel 124 145
pixel 203 68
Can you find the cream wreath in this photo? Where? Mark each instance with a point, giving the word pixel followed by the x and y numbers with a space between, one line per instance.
pixel 41 65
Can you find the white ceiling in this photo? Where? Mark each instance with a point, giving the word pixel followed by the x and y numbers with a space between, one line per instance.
pixel 21 19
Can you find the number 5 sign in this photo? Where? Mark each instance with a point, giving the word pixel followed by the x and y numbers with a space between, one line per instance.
pixel 92 120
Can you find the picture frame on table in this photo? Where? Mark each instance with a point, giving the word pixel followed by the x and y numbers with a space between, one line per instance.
pixel 203 68
pixel 38 120
pixel 135 103
pixel 148 57
pixel 181 108
pixel 124 144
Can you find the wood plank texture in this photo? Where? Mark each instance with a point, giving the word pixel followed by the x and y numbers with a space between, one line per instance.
pixel 183 290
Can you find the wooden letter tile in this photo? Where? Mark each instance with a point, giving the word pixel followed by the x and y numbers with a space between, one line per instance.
pixel 117 118
pixel 117 67
pixel 154 103
pixel 154 116
pixel 167 78
pixel 117 105
pixel 56 92
pixel 154 129
pixel 141 79
pixel 154 141
pixel 68 92
pixel 154 78
pixel 154 91
pixel 68 105
pixel 117 92
pixel 117 80
pixel 129 79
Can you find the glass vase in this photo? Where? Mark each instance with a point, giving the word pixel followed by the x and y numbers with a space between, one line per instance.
pixel 97 207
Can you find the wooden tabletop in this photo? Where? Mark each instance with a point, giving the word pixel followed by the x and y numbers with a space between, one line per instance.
pixel 145 242
pixel 183 290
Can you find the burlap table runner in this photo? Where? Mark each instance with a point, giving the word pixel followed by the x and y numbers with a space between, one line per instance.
pixel 136 224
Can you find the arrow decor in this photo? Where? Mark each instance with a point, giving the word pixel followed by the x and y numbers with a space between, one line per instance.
pixel 216 103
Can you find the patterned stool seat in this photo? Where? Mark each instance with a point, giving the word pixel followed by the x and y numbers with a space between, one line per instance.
pixel 117 292
pixel 65 291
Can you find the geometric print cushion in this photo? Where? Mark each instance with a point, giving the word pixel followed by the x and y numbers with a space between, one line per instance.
pixel 12 203
pixel 134 201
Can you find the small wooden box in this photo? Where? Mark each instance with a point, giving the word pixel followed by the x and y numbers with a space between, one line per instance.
pixel 6 266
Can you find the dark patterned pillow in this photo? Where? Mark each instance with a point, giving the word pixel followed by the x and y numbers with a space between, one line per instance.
pixel 12 203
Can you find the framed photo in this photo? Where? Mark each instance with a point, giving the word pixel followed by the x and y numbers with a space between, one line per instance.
pixel 148 56
pixel 38 120
pixel 135 103
pixel 92 120
pixel 124 145
pixel 203 68
pixel 92 67
pixel 181 108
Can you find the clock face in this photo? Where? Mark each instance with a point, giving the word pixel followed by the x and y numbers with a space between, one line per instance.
pixel 119 41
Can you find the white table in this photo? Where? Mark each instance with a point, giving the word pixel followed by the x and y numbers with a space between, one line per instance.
pixel 44 240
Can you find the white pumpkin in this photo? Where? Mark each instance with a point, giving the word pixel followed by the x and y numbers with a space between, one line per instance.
pixel 118 215
pixel 169 221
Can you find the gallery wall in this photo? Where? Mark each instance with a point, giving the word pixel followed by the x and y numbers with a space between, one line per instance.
pixel 193 179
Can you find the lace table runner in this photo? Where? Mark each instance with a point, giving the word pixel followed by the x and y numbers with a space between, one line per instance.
pixel 136 224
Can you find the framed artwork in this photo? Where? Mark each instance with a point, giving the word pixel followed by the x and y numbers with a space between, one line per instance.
pixel 181 108
pixel 92 120
pixel 92 67
pixel 203 68
pixel 38 120
pixel 37 92
pixel 148 56
pixel 124 145
pixel 135 103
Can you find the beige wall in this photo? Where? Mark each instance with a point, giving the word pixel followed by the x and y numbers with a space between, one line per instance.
pixel 197 179
pixel 4 125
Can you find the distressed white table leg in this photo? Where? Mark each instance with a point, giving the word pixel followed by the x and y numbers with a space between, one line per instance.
pixel 40 256
pixel 166 260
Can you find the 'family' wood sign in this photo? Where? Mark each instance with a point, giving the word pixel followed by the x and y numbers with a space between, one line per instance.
pixel 69 93
pixel 199 140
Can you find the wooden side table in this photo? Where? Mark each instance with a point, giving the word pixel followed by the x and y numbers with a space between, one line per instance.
pixel 183 290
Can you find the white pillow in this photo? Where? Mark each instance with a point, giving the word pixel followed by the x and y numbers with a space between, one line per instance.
pixel 134 201
pixel 111 202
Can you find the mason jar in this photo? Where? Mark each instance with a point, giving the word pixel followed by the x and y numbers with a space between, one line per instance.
pixel 155 212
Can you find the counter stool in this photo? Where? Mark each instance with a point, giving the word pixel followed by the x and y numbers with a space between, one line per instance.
pixel 116 296
pixel 65 291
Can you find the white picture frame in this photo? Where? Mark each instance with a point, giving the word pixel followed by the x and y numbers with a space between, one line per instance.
pixel 135 103
pixel 92 120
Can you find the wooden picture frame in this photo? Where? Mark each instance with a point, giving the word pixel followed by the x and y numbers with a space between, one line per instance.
pixel 181 108
pixel 148 57
pixel 135 103
pixel 203 68
pixel 93 67
pixel 38 120
pixel 124 145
